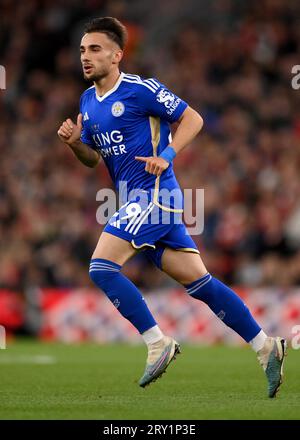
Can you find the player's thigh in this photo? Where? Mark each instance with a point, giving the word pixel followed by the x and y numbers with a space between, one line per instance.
pixel 113 248
pixel 184 267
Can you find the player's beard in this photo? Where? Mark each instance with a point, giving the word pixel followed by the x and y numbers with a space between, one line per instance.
pixel 96 76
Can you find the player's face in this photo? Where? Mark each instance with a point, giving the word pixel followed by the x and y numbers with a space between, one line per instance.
pixel 98 55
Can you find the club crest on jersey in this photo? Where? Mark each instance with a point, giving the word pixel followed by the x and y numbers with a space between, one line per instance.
pixel 117 108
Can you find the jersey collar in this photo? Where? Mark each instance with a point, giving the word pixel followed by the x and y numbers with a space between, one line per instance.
pixel 109 92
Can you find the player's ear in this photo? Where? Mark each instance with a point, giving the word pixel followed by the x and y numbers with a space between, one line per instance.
pixel 118 55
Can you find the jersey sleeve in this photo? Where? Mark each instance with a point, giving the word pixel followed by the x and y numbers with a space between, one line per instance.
pixel 86 136
pixel 156 100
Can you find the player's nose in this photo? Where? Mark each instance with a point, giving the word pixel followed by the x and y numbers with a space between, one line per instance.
pixel 85 59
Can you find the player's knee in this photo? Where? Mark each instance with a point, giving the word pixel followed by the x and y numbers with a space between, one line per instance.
pixel 102 272
pixel 191 275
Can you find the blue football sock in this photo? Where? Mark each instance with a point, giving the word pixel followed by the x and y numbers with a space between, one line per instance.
pixel 122 293
pixel 225 304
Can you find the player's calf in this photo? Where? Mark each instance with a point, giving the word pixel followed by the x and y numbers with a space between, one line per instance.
pixel 124 295
pixel 226 304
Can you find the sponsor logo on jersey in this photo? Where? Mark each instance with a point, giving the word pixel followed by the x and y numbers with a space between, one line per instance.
pixel 117 108
pixel 169 100
pixel 86 117
pixel 110 143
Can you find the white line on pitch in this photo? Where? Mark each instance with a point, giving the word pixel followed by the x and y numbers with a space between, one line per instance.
pixel 27 359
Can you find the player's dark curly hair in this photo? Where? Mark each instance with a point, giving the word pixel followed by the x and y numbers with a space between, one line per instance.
pixel 110 26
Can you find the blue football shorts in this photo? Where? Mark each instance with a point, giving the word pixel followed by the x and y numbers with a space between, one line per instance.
pixel 150 228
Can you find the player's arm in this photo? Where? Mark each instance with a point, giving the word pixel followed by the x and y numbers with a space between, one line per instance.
pixel 188 126
pixel 70 133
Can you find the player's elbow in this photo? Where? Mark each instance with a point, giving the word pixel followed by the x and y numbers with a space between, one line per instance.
pixel 93 161
pixel 198 120
pixel 194 119
pixel 92 164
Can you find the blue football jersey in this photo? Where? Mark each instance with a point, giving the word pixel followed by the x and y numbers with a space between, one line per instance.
pixel 133 119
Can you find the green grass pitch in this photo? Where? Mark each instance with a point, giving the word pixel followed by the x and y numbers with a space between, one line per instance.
pixel 89 381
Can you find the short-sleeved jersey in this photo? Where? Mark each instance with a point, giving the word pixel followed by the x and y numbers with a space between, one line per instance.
pixel 133 119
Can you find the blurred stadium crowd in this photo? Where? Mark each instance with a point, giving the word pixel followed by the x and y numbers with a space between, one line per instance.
pixel 230 60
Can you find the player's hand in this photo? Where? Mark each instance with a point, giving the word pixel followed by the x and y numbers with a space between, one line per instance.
pixel 69 132
pixel 154 165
